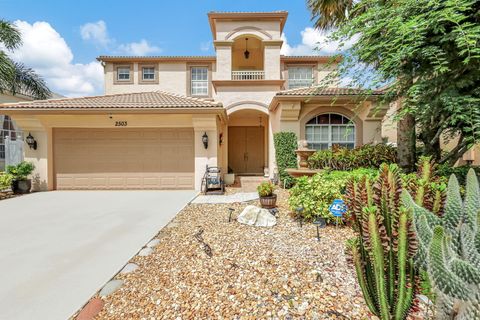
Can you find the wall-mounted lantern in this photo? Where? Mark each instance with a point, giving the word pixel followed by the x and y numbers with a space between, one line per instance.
pixel 205 140
pixel 31 141
pixel 220 138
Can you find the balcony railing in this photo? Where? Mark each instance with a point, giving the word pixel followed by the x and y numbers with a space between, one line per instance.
pixel 248 75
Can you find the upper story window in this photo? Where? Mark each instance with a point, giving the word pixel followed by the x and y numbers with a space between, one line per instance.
pixel 329 129
pixel 123 73
pixel 299 77
pixel 148 73
pixel 199 81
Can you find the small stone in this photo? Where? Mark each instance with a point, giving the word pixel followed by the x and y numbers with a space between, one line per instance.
pixel 153 243
pixel 110 287
pixel 145 252
pixel 130 267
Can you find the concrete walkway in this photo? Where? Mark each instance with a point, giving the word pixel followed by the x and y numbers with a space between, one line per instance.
pixel 58 248
pixel 236 197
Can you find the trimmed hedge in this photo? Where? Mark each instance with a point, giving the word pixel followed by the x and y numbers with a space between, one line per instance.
pixel 285 146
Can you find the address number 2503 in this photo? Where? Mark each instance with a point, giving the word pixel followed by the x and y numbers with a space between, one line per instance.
pixel 121 123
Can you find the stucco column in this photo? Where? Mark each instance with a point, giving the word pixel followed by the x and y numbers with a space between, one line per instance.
pixel 224 60
pixel 204 124
pixel 271 59
pixel 42 177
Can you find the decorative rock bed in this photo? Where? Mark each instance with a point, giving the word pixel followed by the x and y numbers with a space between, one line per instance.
pixel 205 267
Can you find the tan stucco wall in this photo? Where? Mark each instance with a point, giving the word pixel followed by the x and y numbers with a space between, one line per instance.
pixel 41 128
pixel 229 30
pixel 172 78
pixel 292 117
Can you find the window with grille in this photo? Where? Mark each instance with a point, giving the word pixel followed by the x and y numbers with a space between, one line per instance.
pixel 199 81
pixel 329 129
pixel 7 129
pixel 148 73
pixel 123 73
pixel 299 77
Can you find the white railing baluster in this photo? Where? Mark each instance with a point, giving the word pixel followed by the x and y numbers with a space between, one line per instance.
pixel 248 75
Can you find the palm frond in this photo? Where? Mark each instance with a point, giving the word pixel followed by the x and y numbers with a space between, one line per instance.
pixel 9 35
pixel 328 14
pixel 24 80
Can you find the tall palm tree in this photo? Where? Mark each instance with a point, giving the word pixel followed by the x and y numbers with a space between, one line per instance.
pixel 328 14
pixel 15 77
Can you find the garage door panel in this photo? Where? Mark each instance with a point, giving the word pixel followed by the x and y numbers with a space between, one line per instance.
pixel 124 158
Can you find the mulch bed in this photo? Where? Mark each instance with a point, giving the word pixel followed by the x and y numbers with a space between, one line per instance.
pixel 207 268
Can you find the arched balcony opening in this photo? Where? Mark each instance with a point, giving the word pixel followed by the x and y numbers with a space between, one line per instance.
pixel 248 58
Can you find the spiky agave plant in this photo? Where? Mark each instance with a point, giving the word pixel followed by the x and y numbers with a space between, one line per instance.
pixel 383 251
pixel 450 249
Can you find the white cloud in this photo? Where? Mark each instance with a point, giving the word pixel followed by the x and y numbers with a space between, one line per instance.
pixel 96 32
pixel 45 51
pixel 314 42
pixel 140 48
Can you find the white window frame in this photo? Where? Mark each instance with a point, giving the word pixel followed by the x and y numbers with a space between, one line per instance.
pixel 150 73
pixel 119 69
pixel 195 82
pixel 330 142
pixel 300 82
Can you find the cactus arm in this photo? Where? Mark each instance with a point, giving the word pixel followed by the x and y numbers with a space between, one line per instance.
pixel 402 251
pixel 353 245
pixel 454 206
pixel 444 280
pixel 472 200
pixel 378 262
pixel 465 271
pixel 468 247
pixel 419 211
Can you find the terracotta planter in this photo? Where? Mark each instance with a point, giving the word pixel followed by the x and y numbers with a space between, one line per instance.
pixel 21 186
pixel 269 202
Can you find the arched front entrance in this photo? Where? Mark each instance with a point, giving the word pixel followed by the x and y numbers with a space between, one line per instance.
pixel 247 142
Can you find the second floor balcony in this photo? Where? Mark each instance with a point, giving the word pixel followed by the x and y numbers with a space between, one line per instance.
pixel 248 75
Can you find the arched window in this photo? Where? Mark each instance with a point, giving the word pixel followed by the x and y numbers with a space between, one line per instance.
pixel 328 129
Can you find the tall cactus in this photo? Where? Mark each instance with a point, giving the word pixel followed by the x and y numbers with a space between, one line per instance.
pixel 449 249
pixel 383 251
pixel 427 190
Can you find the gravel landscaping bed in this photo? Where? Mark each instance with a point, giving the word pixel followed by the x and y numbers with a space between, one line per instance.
pixel 207 268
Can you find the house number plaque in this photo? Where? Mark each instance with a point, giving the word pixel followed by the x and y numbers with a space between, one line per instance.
pixel 121 123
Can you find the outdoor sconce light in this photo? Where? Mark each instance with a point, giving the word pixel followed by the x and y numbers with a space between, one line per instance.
pixel 205 140
pixel 319 223
pixel 220 139
pixel 31 141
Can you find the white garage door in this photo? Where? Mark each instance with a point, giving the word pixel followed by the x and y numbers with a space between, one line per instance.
pixel 124 158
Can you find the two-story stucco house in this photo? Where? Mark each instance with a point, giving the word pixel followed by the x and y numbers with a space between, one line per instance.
pixel 148 130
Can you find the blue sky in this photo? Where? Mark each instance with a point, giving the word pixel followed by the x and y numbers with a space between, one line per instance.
pixel 63 38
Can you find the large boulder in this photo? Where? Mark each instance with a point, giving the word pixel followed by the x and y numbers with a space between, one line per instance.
pixel 255 216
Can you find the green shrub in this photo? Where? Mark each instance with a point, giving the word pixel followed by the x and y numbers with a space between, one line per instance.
pixel 5 180
pixel 315 194
pixel 445 170
pixel 366 156
pixel 21 171
pixel 265 189
pixel 285 146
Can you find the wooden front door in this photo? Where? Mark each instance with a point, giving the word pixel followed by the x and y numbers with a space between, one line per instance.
pixel 246 150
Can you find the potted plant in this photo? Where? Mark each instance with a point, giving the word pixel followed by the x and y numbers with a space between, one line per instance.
pixel 268 199
pixel 20 172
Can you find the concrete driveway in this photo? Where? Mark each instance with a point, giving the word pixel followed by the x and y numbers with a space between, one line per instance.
pixel 58 248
